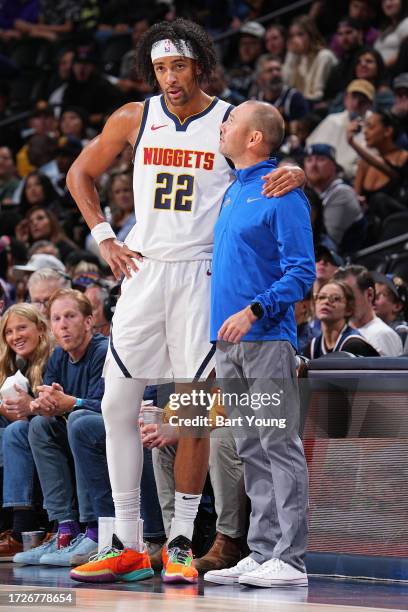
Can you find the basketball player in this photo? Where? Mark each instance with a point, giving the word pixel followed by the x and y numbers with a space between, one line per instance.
pixel 161 323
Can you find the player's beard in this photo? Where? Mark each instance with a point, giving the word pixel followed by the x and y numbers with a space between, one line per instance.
pixel 179 100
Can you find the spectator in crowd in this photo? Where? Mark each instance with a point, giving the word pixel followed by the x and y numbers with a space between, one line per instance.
pixel 369 66
pixel 394 31
pixel 12 10
pixel 391 302
pixel 218 85
pixel 89 89
pixel 42 284
pixel 56 19
pixel 305 330
pixel 129 82
pixel 120 198
pixel 39 151
pixel 334 306
pixel 350 39
pixel 67 151
pixel 342 214
pixel 38 261
pixel 45 247
pixel 250 47
pixel 73 123
pixel 327 262
pixel 358 100
pixel 275 41
pixel 384 339
pixel 72 380
pixel 38 190
pixel 2 299
pixel 400 107
pixel 381 177
pixel 299 130
pixel 59 78
pixel 41 224
pixel 12 253
pixel 25 345
pixel 8 177
pixel 269 87
pixel 98 295
pixel 308 63
pixel 362 11
pixel 320 237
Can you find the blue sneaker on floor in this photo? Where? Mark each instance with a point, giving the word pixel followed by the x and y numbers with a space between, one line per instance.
pixel 33 556
pixel 63 557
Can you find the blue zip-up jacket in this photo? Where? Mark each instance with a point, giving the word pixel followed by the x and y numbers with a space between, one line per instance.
pixel 263 252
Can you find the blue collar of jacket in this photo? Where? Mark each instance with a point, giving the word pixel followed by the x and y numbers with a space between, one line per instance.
pixel 246 175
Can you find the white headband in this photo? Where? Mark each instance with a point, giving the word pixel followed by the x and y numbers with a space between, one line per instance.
pixel 165 48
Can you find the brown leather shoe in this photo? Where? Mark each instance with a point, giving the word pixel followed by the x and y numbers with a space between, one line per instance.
pixel 225 552
pixel 9 546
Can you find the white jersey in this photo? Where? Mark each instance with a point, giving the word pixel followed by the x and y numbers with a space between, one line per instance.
pixel 179 181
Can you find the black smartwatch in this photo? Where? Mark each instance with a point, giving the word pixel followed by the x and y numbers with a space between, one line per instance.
pixel 257 309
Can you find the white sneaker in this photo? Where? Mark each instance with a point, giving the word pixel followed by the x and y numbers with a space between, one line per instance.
pixel 230 575
pixel 274 573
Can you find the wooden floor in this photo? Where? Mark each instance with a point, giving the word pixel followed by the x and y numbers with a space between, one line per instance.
pixel 323 594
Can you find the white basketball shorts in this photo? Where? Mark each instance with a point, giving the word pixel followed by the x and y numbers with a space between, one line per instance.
pixel 161 324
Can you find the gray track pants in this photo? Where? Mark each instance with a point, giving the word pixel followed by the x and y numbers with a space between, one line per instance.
pixel 275 471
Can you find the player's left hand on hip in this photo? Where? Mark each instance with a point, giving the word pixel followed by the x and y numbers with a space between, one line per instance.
pixel 281 181
pixel 236 326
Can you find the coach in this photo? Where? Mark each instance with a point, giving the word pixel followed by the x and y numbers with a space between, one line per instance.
pixel 263 263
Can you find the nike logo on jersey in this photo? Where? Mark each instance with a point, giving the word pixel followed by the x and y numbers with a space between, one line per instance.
pixel 249 200
pixel 157 127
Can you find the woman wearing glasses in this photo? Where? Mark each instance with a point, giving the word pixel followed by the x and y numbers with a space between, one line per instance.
pixel 334 305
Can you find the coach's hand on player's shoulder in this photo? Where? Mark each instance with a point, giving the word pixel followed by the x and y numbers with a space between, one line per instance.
pixel 236 326
pixel 281 181
pixel 119 257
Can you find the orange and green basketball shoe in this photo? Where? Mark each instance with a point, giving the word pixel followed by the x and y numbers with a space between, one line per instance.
pixel 178 563
pixel 113 564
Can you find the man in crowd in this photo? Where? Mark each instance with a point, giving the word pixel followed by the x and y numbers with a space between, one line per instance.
pixel 358 100
pixel 72 380
pixel 350 40
pixel 269 87
pixel 384 339
pixel 342 214
pixel 42 284
pixel 250 47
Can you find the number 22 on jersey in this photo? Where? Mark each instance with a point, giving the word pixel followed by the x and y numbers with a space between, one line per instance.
pixel 174 192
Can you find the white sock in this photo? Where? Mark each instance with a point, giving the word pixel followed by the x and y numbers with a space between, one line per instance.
pixel 185 511
pixel 128 525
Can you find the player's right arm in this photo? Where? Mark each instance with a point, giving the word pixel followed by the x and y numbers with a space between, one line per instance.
pixel 98 156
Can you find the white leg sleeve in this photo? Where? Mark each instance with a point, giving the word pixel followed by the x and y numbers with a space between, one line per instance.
pixel 124 452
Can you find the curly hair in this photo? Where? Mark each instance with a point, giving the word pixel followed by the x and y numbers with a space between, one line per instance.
pixel 180 29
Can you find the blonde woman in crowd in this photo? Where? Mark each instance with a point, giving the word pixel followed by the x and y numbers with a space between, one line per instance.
pixel 25 344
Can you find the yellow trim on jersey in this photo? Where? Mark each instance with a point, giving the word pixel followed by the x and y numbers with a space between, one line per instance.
pixel 190 116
